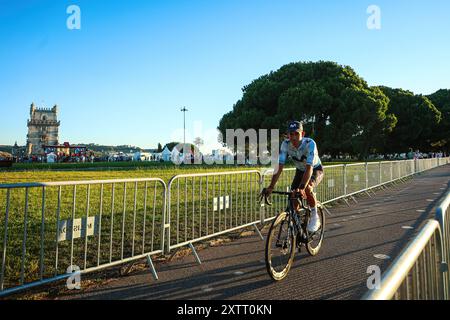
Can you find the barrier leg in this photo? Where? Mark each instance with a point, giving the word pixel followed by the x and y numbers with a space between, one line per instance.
pixel 152 267
pixel 195 253
pixel 258 232
pixel 348 204
pixel 326 210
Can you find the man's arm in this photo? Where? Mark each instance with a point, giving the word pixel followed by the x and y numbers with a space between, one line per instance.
pixel 309 164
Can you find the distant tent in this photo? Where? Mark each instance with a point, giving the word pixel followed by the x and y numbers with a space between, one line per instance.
pixel 51 158
pixel 175 155
pixel 166 154
pixel 141 156
pixel 137 156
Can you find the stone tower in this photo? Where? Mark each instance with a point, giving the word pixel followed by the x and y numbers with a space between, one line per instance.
pixel 42 129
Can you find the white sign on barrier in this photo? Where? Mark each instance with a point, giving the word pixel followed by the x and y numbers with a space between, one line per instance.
pixel 221 203
pixel 330 183
pixel 78 228
pixel 356 178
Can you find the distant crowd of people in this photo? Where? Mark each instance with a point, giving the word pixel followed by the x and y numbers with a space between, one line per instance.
pixel 430 155
pixel 52 158
pixel 190 158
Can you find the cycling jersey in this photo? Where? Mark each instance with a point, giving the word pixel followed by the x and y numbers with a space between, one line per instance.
pixel 305 154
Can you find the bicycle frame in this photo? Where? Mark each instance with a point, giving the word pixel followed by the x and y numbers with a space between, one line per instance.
pixel 290 210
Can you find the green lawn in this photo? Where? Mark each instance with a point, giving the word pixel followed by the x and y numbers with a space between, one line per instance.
pixel 128 226
pixel 131 165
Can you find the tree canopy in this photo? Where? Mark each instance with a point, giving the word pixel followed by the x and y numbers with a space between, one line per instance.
pixel 341 112
pixel 338 108
pixel 417 118
pixel 441 99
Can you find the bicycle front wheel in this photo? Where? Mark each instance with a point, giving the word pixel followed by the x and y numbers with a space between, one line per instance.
pixel 316 239
pixel 280 248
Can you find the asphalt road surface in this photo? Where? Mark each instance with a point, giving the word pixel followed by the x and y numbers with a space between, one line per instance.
pixel 372 232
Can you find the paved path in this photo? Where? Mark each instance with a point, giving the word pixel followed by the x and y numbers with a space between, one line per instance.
pixel 354 235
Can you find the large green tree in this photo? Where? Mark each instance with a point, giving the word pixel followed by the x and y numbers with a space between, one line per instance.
pixel 441 100
pixel 340 111
pixel 417 117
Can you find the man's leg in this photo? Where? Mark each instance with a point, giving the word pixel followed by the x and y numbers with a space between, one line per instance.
pixel 314 222
pixel 294 186
pixel 310 196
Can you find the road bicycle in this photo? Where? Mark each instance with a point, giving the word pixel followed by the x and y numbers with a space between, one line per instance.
pixel 288 232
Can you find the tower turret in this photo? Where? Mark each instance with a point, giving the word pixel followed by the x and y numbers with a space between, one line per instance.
pixel 32 108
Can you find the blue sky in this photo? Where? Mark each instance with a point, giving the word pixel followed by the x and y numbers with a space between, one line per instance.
pixel 124 76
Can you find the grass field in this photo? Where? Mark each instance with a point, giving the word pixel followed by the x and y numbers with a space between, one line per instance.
pixel 100 165
pixel 78 175
pixel 129 215
pixel 43 172
pixel 130 224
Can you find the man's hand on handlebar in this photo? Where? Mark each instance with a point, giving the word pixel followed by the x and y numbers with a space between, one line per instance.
pixel 265 194
pixel 267 191
pixel 300 191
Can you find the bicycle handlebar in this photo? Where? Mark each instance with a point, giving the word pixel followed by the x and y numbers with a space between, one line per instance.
pixel 282 193
pixel 264 196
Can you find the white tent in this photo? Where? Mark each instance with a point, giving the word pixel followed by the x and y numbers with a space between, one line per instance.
pixel 166 154
pixel 141 156
pixel 51 158
pixel 176 156
pixel 137 156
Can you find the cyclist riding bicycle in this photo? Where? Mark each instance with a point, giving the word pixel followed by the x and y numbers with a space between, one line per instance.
pixel 303 151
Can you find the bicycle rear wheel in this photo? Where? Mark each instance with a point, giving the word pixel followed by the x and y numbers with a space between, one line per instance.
pixel 280 248
pixel 315 241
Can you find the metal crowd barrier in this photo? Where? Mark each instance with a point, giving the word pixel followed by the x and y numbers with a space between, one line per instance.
pixel 421 270
pixel 85 226
pixel 346 180
pixel 442 216
pixel 427 164
pixel 205 205
pixel 47 228
pixel 332 188
pixel 416 274
pixel 355 178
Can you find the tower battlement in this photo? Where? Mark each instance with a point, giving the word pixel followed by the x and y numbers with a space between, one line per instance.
pixel 43 127
pixel 34 109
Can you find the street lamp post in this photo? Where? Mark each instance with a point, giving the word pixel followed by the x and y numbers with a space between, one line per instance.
pixel 184 110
